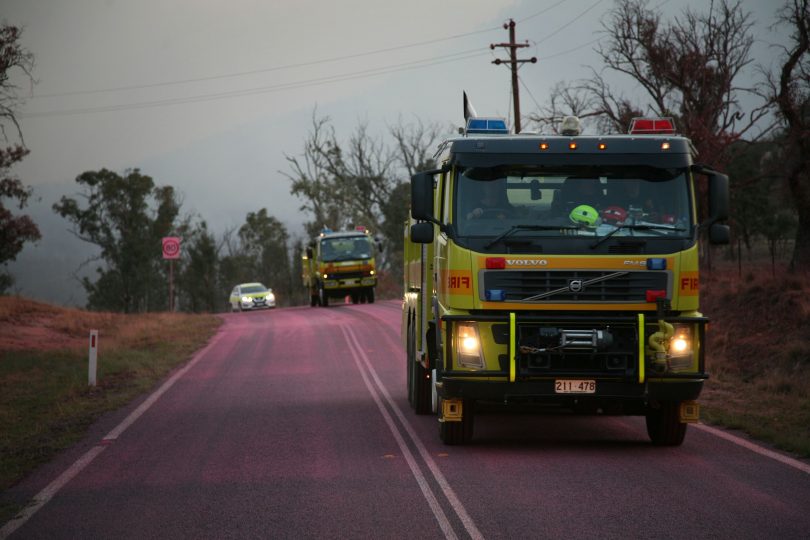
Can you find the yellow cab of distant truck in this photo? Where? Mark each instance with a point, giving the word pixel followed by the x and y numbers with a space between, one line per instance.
pixel 340 264
pixel 559 273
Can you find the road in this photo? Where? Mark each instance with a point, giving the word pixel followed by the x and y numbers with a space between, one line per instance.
pixel 294 423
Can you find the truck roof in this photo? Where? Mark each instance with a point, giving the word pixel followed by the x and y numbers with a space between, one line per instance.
pixel 561 150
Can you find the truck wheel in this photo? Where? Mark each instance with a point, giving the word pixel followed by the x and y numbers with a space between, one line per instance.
pixel 457 433
pixel 370 296
pixel 324 299
pixel 313 300
pixel 419 379
pixel 664 425
pixel 354 298
pixel 409 361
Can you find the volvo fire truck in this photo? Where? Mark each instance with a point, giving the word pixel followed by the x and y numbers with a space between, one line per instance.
pixel 560 273
pixel 340 264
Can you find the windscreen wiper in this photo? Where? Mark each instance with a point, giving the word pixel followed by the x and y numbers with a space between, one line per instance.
pixel 635 227
pixel 515 228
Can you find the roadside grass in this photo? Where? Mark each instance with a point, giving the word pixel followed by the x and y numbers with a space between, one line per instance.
pixel 45 401
pixel 758 354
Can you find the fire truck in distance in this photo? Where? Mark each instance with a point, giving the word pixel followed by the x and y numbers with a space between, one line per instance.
pixel 561 271
pixel 340 264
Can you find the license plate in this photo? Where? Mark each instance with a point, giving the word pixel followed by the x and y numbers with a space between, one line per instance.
pixel 350 282
pixel 574 386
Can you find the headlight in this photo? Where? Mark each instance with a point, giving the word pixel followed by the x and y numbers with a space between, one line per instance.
pixel 681 342
pixel 246 299
pixel 468 346
pixel 681 348
pixel 270 297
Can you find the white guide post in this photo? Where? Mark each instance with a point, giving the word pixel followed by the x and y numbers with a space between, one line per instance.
pixel 92 356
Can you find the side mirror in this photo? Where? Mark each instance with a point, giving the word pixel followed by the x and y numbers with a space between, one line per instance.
pixel 422 197
pixel 718 197
pixel 719 234
pixel 422 233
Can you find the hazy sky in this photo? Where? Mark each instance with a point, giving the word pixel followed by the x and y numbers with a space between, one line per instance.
pixel 208 96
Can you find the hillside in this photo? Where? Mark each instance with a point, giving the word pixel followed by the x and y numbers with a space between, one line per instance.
pixel 758 353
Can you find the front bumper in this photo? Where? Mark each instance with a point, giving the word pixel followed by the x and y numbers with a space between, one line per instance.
pixel 542 391
pixel 257 304
pixel 349 283
pixel 624 372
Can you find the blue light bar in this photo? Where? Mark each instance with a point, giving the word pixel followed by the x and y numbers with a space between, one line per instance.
pixel 487 126
pixel 495 295
pixel 656 264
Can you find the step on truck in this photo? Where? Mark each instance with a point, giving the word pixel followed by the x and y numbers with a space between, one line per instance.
pixel 559 273
pixel 340 264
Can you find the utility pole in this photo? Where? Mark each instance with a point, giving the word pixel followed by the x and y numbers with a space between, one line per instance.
pixel 513 61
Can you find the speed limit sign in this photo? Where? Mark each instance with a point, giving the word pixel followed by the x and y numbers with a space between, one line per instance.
pixel 171 247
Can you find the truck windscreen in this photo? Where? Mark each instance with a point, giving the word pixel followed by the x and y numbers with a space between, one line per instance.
pixel 345 248
pixel 526 203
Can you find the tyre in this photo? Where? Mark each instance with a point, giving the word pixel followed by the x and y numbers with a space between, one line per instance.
pixel 457 433
pixel 354 298
pixel 370 296
pixel 664 425
pixel 409 345
pixel 324 299
pixel 313 300
pixel 419 392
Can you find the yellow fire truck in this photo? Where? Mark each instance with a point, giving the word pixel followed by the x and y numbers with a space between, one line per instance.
pixel 340 264
pixel 559 271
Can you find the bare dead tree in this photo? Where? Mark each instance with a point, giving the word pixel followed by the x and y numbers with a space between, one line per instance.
pixel 416 142
pixel 15 230
pixel 565 100
pixel 687 68
pixel 789 90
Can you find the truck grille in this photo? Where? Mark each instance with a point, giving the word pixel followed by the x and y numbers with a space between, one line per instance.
pixel 609 287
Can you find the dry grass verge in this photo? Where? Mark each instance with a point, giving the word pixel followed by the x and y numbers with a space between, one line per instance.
pixel 45 401
pixel 759 354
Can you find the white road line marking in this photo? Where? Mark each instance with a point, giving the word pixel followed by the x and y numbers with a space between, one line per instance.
pixel 789 461
pixel 47 493
pixel 452 498
pixel 42 498
pixel 441 517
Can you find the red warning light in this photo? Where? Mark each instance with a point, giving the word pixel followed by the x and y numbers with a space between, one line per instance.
pixel 652 126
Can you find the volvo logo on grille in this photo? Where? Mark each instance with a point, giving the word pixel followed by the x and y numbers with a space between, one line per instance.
pixel 575 285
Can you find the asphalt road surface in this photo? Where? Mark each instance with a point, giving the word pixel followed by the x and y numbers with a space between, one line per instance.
pixel 294 423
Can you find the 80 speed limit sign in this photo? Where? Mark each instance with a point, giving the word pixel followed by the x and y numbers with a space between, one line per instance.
pixel 171 247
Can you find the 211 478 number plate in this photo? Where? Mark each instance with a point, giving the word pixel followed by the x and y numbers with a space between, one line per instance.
pixel 574 386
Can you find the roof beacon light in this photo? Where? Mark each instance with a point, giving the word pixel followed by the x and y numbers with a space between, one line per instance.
pixel 652 126
pixel 487 126
pixel 570 126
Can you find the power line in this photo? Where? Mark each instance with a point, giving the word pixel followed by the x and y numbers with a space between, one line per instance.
pixel 265 89
pixel 526 87
pixel 540 12
pixel 569 23
pixel 264 70
pixel 562 53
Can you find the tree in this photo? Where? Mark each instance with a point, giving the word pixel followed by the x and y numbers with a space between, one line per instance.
pixel 363 181
pixel 688 69
pixel 264 244
pixel 126 216
pixel 15 230
pixel 198 284
pixel 789 90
